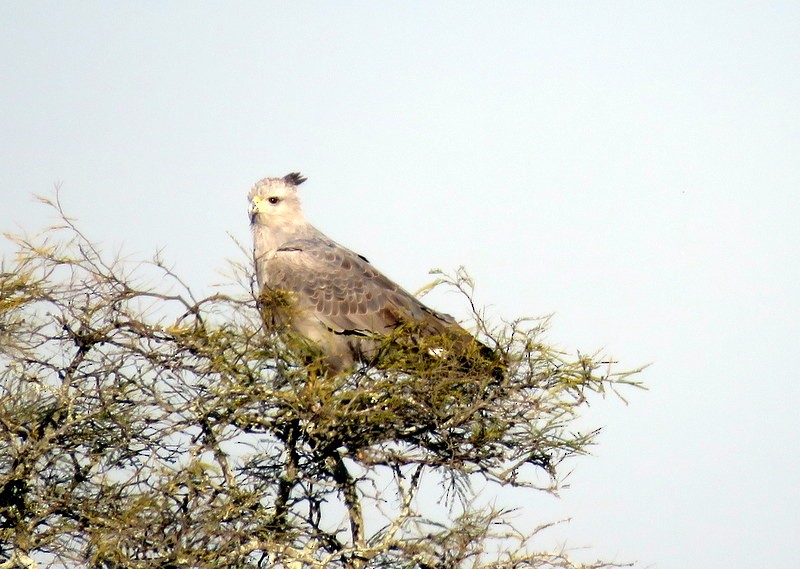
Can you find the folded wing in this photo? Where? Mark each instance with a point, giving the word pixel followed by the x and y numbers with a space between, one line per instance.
pixel 345 293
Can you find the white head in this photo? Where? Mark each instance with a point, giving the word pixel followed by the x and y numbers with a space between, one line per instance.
pixel 274 203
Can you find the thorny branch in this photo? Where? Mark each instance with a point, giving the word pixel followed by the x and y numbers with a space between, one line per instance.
pixel 143 426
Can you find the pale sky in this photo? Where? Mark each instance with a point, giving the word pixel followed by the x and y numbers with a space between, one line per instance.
pixel 631 167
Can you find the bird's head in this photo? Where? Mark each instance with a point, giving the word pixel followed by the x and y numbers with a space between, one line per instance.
pixel 274 202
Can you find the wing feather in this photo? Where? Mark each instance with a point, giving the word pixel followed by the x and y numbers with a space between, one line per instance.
pixel 345 292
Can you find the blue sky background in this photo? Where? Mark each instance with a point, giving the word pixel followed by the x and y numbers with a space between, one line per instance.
pixel 631 167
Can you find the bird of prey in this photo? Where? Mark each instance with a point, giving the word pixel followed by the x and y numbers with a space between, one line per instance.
pixel 339 303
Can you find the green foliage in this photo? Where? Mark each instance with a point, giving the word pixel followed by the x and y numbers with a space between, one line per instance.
pixel 142 427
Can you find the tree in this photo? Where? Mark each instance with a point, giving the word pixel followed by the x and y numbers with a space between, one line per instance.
pixel 143 427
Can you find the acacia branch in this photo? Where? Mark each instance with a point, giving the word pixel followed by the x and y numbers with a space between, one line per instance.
pixel 347 486
pixel 129 475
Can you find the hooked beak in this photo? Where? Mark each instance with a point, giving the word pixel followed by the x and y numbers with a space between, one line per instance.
pixel 254 209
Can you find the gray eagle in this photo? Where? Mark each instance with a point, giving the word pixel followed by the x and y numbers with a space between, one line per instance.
pixel 338 302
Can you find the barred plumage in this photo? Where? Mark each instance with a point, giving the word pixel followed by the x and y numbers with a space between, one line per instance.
pixel 340 302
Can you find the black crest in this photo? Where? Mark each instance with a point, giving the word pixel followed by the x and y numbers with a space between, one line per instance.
pixel 294 179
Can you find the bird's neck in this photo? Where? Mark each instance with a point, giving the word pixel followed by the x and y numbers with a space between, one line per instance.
pixel 267 238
